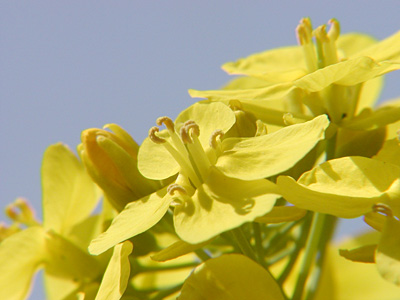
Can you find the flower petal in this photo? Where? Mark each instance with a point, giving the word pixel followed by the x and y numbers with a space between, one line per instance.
pixel 177 249
pixel 280 214
pixel 69 194
pixel 210 116
pixel 346 187
pixel 349 72
pixel 271 154
pixel 22 254
pixel 388 251
pixel 116 276
pixel 221 204
pixel 137 217
pixel 230 277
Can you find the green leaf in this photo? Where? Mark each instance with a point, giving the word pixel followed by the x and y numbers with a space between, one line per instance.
pixel 69 194
pixel 271 154
pixel 230 277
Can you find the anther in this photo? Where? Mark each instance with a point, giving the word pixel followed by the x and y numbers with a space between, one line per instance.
pixel 167 122
pixel 153 137
pixel 21 212
pixel 185 136
pixel 304 31
pixel 213 138
pixel 383 208
pixel 320 34
pixel 334 30
pixel 192 126
pixel 235 105
pixel 172 188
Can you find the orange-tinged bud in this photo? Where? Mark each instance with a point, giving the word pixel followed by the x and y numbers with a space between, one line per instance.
pixel 110 158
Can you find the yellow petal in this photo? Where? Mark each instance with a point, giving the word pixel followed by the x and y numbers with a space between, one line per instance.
pixel 116 276
pixel 177 249
pixel 348 73
pixel 271 154
pixel 69 194
pixel 387 49
pixel 230 277
pixel 137 217
pixel 365 254
pixel 388 251
pixel 22 254
pixel 281 214
pixel 390 152
pixel 221 204
pixel 347 187
pixel 66 260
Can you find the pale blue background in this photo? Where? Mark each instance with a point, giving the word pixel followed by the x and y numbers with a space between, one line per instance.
pixel 69 65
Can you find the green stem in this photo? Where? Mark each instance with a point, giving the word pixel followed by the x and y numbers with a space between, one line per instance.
pixel 243 243
pixel 161 295
pixel 310 252
pixel 258 241
pixel 203 255
pixel 329 229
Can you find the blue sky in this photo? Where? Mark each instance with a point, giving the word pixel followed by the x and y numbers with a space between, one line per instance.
pixel 70 65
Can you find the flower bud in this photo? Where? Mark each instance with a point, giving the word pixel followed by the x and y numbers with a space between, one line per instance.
pixel 110 158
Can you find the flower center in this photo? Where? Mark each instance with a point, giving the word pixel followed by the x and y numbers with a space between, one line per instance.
pixel 186 148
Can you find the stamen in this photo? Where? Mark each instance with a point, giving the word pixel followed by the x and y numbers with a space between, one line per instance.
pixel 182 193
pixel 288 119
pixel 235 105
pixel 213 138
pixel 191 126
pixel 304 38
pixel 21 212
pixel 185 136
pixel 383 208
pixel 153 137
pixel 172 188
pixel 167 122
pixel 334 30
pixel 326 47
pixel 320 33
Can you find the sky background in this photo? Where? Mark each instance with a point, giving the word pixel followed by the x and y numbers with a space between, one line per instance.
pixel 70 65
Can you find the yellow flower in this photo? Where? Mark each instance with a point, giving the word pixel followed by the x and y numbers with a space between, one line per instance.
pixel 338 76
pixel 221 182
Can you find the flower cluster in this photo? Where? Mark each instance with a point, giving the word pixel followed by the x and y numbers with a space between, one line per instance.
pixel 238 198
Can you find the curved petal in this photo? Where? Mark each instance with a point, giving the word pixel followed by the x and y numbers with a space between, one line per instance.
pixel 346 187
pixel 22 254
pixel 349 72
pixel 69 194
pixel 116 276
pixel 221 204
pixel 137 217
pixel 230 277
pixel 271 154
